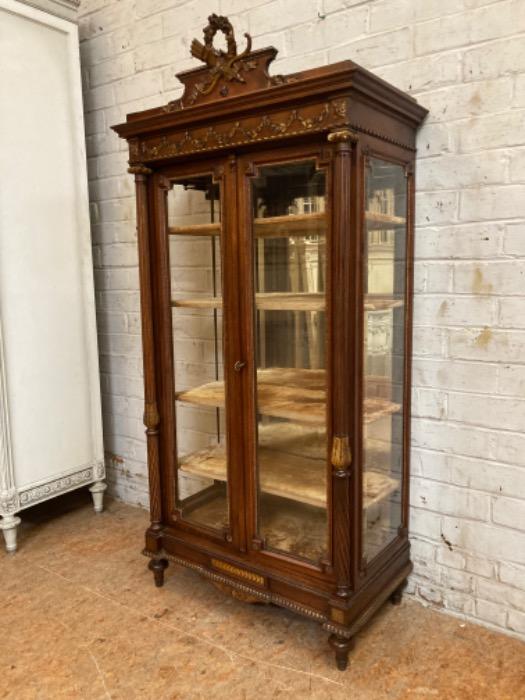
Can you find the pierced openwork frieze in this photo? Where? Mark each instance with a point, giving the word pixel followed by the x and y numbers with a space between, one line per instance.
pixel 309 119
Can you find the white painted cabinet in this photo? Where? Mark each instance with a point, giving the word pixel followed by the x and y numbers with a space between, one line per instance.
pixel 50 416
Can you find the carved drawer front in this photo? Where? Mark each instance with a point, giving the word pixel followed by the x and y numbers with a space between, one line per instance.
pixel 237 572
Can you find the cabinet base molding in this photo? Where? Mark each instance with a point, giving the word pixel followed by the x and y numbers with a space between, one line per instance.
pixel 238 595
pixel 264 596
pixel 17 500
pixel 82 476
pixel 341 636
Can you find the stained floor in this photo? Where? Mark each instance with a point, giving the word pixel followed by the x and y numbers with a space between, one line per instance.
pixel 80 618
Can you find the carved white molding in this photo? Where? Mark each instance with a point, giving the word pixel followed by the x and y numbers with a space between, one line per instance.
pixel 49 489
pixel 8 495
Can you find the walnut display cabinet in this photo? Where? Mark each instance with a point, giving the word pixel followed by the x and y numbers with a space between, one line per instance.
pixel 275 227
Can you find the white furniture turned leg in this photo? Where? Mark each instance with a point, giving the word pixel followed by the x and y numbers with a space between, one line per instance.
pixel 97 493
pixel 8 525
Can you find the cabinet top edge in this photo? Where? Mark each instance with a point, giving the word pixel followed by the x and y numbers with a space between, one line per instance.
pixel 342 79
pixel 233 82
pixel 65 9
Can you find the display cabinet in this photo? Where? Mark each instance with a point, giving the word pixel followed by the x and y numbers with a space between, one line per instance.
pixel 275 230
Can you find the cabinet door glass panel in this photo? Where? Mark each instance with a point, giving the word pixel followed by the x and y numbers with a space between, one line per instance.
pixel 194 225
pixel 384 356
pixel 290 270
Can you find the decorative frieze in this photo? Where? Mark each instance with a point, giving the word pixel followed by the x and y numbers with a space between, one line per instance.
pixel 291 122
pixel 83 476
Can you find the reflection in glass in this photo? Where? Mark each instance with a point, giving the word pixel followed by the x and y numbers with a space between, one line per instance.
pixel 195 257
pixel 290 271
pixel 384 353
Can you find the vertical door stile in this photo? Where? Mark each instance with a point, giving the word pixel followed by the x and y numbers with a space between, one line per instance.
pixel 163 339
pixel 245 292
pixel 409 301
pixel 235 357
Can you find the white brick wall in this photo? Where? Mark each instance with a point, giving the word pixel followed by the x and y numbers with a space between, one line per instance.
pixel 465 61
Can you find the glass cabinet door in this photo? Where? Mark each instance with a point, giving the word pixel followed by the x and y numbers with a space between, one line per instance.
pixel 195 232
pixel 384 352
pixel 289 252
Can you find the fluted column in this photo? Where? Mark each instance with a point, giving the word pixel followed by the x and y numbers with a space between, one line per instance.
pixel 342 356
pixel 151 413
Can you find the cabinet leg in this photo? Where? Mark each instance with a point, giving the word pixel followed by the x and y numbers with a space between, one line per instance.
pixel 158 566
pixel 397 596
pixel 8 525
pixel 97 493
pixel 342 647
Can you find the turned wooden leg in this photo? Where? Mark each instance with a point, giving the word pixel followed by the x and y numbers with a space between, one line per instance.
pixel 8 525
pixel 342 647
pixel 97 494
pixel 158 567
pixel 397 596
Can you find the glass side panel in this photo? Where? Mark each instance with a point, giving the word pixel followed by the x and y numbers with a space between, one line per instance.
pixel 385 265
pixel 194 225
pixel 290 260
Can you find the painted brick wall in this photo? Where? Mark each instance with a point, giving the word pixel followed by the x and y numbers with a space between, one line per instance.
pixel 465 61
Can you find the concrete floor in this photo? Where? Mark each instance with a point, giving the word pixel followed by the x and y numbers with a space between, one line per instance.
pixel 80 618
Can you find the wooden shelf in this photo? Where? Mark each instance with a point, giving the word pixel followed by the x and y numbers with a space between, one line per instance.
pixel 289 301
pixel 195 230
pixel 290 225
pixel 294 394
pixel 286 472
pixel 198 303
pixel 375 220
pixel 380 302
pixel 268 227
pixel 268 301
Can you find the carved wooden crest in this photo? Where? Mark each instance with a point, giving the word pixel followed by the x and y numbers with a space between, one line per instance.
pixel 226 66
pixel 226 73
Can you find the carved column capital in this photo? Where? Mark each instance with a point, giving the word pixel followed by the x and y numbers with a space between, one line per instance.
pixel 9 502
pixel 343 136
pixel 139 169
pixel 151 415
pixel 341 455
